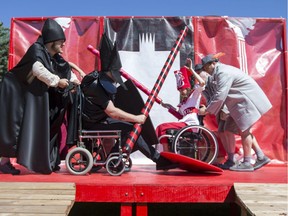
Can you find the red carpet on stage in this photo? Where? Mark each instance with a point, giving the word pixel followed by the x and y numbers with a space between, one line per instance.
pixel 146 188
pixel 146 176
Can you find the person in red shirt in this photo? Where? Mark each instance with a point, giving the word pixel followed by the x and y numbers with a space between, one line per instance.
pixel 190 96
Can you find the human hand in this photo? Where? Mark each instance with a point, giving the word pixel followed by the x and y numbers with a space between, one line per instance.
pixel 202 110
pixel 63 83
pixel 189 63
pixel 76 82
pixel 166 105
pixel 224 116
pixel 141 119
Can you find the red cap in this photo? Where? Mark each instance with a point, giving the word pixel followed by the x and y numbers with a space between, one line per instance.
pixel 182 79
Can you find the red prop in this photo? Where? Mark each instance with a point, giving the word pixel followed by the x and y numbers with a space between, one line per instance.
pixel 190 164
pixel 134 134
pixel 93 50
pixel 139 85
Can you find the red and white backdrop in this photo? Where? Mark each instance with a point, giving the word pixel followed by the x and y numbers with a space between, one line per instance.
pixel 254 45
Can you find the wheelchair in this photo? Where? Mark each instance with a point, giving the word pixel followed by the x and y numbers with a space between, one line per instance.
pixel 91 152
pixel 194 141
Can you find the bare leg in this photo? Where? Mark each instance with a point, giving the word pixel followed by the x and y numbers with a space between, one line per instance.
pixel 228 141
pixel 165 147
pixel 255 144
pixel 257 149
pixel 247 140
pixel 262 159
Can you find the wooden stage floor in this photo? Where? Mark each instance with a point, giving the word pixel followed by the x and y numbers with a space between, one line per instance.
pixel 134 190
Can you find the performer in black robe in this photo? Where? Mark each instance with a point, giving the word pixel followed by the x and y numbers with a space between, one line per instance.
pixel 24 104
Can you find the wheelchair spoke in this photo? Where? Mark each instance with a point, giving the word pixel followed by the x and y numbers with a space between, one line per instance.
pixel 196 142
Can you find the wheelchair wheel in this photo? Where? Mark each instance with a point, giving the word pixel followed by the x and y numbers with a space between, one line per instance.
pixel 79 161
pixel 197 142
pixel 115 166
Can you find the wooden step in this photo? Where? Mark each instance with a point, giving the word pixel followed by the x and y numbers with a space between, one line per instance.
pixel 262 199
pixel 32 198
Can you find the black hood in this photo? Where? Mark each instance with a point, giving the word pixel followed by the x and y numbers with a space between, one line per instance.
pixel 52 31
pixel 110 59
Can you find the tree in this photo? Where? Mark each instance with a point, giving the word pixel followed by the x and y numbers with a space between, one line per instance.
pixel 4 49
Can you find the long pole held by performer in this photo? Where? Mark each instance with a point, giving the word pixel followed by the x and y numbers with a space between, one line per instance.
pixel 134 134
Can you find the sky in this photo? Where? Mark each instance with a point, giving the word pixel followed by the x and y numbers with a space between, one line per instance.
pixel 231 8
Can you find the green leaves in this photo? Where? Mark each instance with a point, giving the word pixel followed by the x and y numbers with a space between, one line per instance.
pixel 4 49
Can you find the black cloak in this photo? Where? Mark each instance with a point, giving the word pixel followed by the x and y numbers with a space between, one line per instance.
pixel 24 112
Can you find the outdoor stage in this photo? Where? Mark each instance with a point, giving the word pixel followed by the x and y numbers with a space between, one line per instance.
pixel 145 191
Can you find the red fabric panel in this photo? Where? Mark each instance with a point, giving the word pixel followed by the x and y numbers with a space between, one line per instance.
pixel 261 55
pixel 80 32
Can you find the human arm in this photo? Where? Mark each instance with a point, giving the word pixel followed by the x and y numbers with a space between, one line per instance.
pixel 119 114
pixel 172 110
pixel 74 78
pixel 223 81
pixel 78 69
pixel 224 113
pixel 197 76
pixel 47 77
pixel 167 105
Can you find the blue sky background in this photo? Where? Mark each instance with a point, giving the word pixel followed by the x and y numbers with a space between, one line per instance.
pixel 231 8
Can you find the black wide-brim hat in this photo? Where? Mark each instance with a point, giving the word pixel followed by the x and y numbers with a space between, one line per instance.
pixel 110 59
pixel 52 31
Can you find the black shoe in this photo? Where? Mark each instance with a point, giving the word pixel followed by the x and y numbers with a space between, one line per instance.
pixel 165 164
pixel 56 168
pixel 95 169
pixel 8 168
pixel 226 165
